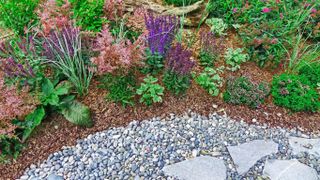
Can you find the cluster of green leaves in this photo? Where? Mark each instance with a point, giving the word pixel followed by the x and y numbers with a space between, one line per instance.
pixel 150 91
pixel 176 83
pixel 234 58
pixel 211 80
pixel 154 63
pixel 88 14
pixel 121 88
pixel 207 59
pixel 312 72
pixel 180 2
pixel 10 147
pixel 18 14
pixel 242 91
pixel 295 92
pixel 217 26
pixel 57 97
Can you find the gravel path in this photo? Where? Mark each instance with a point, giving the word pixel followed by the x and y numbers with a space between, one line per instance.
pixel 142 149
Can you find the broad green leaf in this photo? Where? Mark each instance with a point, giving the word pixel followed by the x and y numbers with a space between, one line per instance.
pixel 78 114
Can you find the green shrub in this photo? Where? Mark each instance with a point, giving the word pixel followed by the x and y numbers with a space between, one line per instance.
pixel 295 92
pixel 234 57
pixel 210 80
pixel 175 83
pixel 217 26
pixel 312 72
pixel 121 88
pixel 150 91
pixel 88 14
pixel 18 14
pixel 242 91
pixel 180 2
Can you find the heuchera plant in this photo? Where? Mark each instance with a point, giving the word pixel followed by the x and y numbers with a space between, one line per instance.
pixel 178 69
pixel 150 91
pixel 162 31
pixel 117 55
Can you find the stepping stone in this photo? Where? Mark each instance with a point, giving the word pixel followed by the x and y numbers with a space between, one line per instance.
pixel 311 146
pixel 289 170
pixel 203 167
pixel 246 155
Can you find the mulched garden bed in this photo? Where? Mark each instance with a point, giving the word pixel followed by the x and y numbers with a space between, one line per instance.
pixel 56 132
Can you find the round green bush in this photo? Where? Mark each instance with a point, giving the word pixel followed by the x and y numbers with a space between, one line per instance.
pixel 295 92
pixel 312 72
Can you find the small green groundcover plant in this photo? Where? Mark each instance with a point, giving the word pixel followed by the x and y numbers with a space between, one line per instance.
pixel 241 90
pixel 175 83
pixel 295 92
pixel 211 80
pixel 312 72
pixel 150 91
pixel 217 26
pixel 121 88
pixel 234 58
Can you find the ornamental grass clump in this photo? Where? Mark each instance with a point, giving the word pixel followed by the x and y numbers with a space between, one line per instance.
pixel 178 67
pixel 63 50
pixel 211 47
pixel 162 31
pixel 117 54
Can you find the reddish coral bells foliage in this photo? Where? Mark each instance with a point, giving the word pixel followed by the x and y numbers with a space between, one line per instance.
pixel 13 104
pixel 53 16
pixel 113 9
pixel 117 55
pixel 136 21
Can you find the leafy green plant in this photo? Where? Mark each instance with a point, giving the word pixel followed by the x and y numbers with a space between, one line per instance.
pixel 175 83
pixel 121 88
pixel 243 91
pixel 312 72
pixel 150 91
pixel 18 14
pixel 211 80
pixel 217 26
pixel 10 147
pixel 154 63
pixel 207 59
pixel 30 122
pixel 57 97
pixel 88 14
pixel 180 2
pixel 77 113
pixel 234 57
pixel 295 92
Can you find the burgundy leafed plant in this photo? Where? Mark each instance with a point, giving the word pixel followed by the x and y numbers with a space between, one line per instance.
pixel 162 31
pixel 117 55
pixel 179 60
pixel 12 68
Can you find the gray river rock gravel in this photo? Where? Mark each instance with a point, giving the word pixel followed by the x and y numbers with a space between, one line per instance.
pixel 142 149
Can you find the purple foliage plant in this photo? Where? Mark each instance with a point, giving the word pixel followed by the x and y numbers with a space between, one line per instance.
pixel 179 60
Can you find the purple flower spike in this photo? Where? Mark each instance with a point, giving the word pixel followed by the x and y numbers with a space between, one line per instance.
pixel 162 31
pixel 179 60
